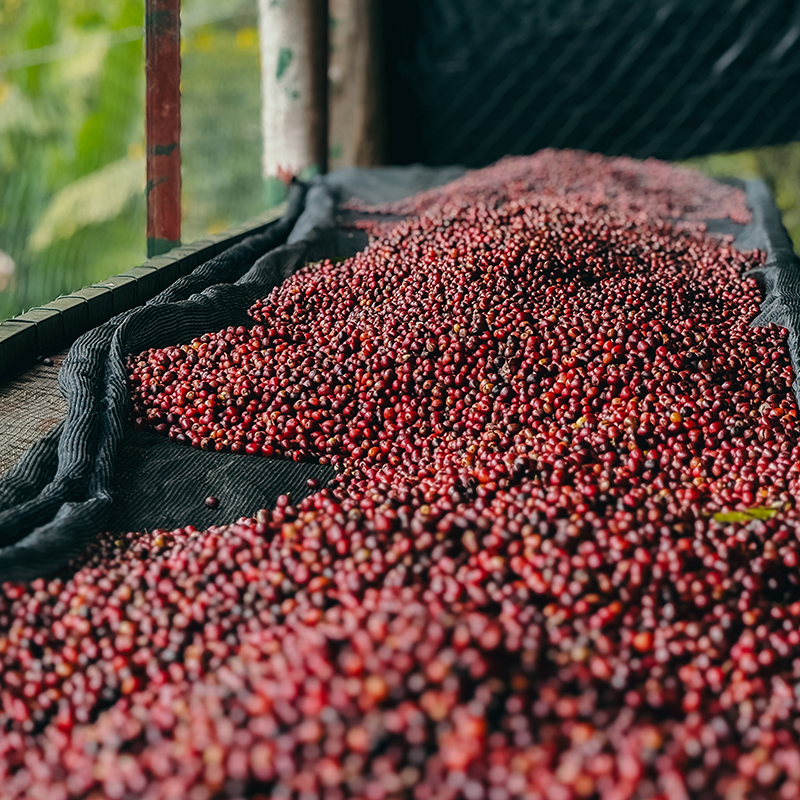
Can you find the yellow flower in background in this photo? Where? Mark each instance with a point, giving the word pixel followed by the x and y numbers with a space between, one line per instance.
pixel 203 42
pixel 246 38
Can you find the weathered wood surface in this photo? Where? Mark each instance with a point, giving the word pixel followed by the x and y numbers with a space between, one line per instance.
pixel 356 121
pixel 294 63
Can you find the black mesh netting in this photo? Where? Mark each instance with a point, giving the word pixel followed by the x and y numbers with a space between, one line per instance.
pixel 470 81
pixel 93 472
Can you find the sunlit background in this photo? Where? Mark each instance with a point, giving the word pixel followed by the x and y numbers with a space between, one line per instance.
pixel 72 206
pixel 72 170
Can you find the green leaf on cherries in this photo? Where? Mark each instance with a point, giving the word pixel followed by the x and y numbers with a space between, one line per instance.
pixel 759 512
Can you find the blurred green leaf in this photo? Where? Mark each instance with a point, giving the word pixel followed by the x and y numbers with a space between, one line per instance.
pixel 759 512
pixel 19 114
pixel 94 198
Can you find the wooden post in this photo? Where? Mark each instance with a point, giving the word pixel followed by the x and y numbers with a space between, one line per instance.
pixel 294 87
pixel 163 124
pixel 356 119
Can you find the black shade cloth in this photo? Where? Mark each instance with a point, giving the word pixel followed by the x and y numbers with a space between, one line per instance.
pixel 469 81
pixel 93 473
pixel 160 484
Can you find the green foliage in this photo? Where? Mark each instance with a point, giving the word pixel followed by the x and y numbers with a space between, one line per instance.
pixel 115 116
pixel 100 196
pixel 72 206
pixel 221 125
pixel 71 146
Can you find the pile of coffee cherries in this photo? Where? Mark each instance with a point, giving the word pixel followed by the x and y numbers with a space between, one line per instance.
pixel 560 559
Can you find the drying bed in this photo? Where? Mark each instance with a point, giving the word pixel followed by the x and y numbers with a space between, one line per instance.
pixel 558 559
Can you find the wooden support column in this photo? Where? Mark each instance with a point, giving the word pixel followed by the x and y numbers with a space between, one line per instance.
pixel 356 114
pixel 163 124
pixel 294 87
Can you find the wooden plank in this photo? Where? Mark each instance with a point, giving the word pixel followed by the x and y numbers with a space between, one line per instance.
pixel 17 339
pixel 49 329
pixel 99 301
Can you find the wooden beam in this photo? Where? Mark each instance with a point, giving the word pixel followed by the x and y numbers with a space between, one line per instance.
pixel 356 115
pixel 294 86
pixel 163 124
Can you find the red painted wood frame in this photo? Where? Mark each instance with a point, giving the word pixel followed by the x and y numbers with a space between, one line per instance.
pixel 163 124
